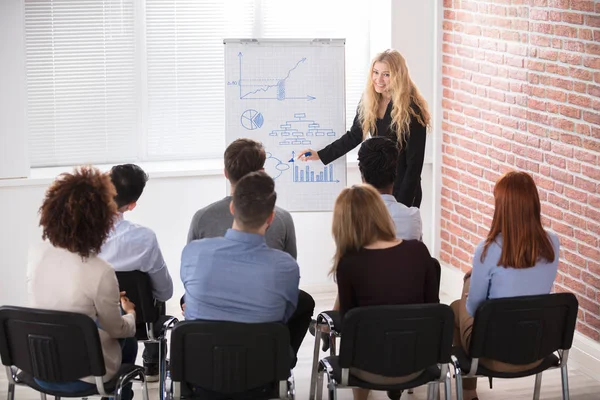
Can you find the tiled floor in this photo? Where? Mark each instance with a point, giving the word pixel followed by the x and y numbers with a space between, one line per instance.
pixel 582 385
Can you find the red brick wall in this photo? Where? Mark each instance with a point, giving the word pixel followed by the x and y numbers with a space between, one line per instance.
pixel 521 90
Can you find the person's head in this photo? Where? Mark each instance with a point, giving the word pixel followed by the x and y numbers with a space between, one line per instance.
pixel 517 218
pixel 129 181
pixel 78 211
pixel 253 202
pixel 243 156
pixel 360 218
pixel 377 161
pixel 389 79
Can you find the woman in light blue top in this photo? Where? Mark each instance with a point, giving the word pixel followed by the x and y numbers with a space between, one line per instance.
pixel 517 258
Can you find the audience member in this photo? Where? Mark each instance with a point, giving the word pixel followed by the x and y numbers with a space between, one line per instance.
pixel 238 277
pixel 64 272
pixel 378 164
pixel 132 247
pixel 372 267
pixel 517 258
pixel 241 157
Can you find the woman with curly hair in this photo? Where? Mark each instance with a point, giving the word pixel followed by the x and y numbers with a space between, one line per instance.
pixel 64 272
pixel 391 106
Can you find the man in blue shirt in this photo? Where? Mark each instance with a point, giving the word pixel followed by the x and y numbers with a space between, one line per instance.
pixel 132 247
pixel 238 277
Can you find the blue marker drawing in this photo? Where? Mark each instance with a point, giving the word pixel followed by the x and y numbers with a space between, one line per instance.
pixel 299 131
pixel 279 166
pixel 252 119
pixel 267 88
pixel 305 174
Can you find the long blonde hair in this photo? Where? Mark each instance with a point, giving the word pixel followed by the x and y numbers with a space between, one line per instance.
pixel 360 218
pixel 404 94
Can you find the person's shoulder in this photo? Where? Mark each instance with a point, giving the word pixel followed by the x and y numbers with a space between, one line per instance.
pixel 412 246
pixel 199 244
pixel 281 213
pixel 217 206
pixel 280 257
pixel 553 237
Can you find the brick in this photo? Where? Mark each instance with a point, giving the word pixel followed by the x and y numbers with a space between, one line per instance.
pixel 563 124
pixel 586 156
pixel 590 240
pixel 592 48
pixel 571 112
pixel 592 20
pixel 577 100
pixel 590 172
pixel 582 5
pixel 591 117
pixel 593 90
pixel 572 18
pixel 576 195
pixel 584 184
pixel 567 31
pixel 592 62
pixel 561 175
pixel 564 4
pixel 590 252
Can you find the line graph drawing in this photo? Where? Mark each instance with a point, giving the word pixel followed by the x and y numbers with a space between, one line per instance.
pixel 267 88
pixel 252 119
pixel 299 131
pixel 275 165
pixel 311 175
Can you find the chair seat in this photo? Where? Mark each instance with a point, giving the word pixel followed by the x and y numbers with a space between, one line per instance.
pixel 464 361
pixel 109 386
pixel 430 374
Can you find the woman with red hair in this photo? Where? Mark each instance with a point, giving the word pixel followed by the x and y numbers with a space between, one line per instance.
pixel 517 258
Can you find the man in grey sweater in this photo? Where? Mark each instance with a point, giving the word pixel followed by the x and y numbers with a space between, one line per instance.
pixel 241 157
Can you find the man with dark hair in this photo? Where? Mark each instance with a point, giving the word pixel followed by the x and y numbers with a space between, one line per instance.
pixel 241 157
pixel 377 161
pixel 238 277
pixel 244 156
pixel 132 247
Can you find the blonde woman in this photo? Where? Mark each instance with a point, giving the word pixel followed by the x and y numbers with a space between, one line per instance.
pixel 391 106
pixel 372 267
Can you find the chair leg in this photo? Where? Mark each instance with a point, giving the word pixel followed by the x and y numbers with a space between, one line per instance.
pixel 331 387
pixel 459 390
pixel 565 381
pixel 433 391
pixel 11 392
pixel 538 386
pixel 315 364
pixel 319 385
pixel 43 396
pixel 448 387
pixel 161 369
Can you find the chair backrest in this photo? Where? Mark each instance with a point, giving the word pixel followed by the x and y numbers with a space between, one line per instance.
pixel 138 286
pixel 438 271
pixel 396 340
pixel 229 357
pixel 521 330
pixel 53 346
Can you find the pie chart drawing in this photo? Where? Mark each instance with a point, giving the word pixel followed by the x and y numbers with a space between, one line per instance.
pixel 252 119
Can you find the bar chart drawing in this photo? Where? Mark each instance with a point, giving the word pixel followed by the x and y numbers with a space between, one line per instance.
pixel 306 174
pixel 300 130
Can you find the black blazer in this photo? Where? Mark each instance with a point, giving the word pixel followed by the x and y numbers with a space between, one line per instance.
pixel 407 187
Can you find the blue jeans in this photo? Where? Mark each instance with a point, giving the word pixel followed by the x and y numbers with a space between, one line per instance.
pixel 129 349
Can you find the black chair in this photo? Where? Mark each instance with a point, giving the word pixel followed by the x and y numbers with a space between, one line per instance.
pixel 149 315
pixel 225 360
pixel 57 346
pixel 522 330
pixel 392 341
pixel 328 323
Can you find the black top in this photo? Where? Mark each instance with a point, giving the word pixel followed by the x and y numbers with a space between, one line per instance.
pixel 407 187
pixel 402 274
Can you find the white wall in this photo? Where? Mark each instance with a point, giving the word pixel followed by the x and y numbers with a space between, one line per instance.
pixel 13 141
pixel 414 34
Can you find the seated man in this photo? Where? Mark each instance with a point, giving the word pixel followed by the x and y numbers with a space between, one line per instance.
pixel 132 247
pixel 237 277
pixel 377 161
pixel 241 157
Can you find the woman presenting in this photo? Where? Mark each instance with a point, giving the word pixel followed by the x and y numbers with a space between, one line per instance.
pixel 391 106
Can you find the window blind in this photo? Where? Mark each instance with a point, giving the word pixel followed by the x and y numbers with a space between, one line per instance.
pixel 185 62
pixel 80 69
